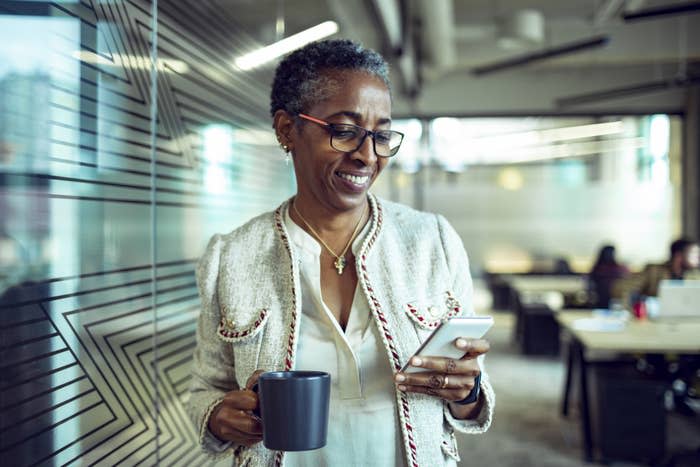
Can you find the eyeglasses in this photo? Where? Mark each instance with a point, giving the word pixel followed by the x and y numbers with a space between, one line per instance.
pixel 346 137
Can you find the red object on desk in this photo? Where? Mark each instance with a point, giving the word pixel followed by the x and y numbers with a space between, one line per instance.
pixel 639 309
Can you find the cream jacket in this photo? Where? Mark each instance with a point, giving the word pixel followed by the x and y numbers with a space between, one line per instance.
pixel 413 271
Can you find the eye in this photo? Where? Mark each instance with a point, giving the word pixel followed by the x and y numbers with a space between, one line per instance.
pixel 383 137
pixel 344 131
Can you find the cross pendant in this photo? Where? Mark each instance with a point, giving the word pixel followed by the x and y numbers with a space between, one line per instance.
pixel 339 264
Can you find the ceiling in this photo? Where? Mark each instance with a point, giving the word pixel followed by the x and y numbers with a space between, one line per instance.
pixel 435 48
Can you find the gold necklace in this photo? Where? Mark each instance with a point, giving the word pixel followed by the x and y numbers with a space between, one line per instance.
pixel 340 261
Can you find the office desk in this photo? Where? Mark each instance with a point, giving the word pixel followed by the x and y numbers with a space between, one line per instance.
pixel 547 283
pixel 638 337
pixel 534 299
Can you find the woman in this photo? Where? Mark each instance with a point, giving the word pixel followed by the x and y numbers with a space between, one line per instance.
pixel 605 272
pixel 339 281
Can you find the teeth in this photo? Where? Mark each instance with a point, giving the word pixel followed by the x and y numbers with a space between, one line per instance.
pixel 354 179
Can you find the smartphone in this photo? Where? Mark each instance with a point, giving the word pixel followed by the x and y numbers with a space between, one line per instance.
pixel 441 343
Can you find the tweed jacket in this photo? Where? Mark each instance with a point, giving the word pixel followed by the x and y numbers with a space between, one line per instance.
pixel 411 268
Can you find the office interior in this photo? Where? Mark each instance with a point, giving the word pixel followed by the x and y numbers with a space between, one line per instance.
pixel 133 130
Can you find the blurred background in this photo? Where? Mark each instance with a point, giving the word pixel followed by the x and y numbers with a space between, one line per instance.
pixel 131 131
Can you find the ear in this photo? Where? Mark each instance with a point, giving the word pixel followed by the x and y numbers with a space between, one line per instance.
pixel 283 123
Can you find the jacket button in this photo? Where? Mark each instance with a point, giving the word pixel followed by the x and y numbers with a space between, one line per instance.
pixel 434 312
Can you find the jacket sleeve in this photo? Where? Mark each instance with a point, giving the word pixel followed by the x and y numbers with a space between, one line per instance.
pixel 458 264
pixel 212 366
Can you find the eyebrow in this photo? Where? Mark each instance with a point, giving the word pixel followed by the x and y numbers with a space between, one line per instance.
pixel 357 117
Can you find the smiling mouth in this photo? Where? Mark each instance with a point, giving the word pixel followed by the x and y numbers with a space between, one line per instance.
pixel 357 180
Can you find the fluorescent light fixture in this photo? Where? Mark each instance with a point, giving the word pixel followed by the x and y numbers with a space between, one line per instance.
pixel 215 180
pixel 453 127
pixel 659 136
pixel 551 152
pixel 448 134
pixel 140 62
pixel 218 143
pixel 581 131
pixel 268 53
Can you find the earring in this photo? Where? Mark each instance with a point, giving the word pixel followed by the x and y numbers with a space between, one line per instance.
pixel 287 156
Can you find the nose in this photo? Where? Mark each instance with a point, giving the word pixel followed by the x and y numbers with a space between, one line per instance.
pixel 365 153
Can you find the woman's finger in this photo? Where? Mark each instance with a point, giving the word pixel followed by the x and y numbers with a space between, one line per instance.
pixel 238 420
pixel 447 365
pixel 472 347
pixel 245 423
pixel 446 394
pixel 437 380
pixel 244 400
pixel 253 379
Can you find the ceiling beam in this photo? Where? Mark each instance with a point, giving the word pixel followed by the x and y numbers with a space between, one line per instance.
pixel 572 47
pixel 627 91
pixel 665 10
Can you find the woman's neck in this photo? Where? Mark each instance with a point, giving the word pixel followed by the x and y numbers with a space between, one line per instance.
pixel 322 219
pixel 334 228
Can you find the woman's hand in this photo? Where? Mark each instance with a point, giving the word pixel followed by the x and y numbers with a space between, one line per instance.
pixel 233 419
pixel 447 378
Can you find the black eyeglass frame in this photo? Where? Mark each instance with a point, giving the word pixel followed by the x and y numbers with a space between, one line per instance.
pixel 331 127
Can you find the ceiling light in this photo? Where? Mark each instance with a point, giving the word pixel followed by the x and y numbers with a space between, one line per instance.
pixel 140 62
pixel 489 156
pixel 268 53
pixel 551 135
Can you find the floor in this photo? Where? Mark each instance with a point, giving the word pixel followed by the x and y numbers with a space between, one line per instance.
pixel 528 429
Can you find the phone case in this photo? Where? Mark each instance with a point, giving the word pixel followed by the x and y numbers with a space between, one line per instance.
pixel 441 342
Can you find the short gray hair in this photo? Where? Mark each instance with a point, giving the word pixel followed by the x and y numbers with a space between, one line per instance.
pixel 300 81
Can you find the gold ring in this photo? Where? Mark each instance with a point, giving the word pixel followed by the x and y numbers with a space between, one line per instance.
pixel 445 382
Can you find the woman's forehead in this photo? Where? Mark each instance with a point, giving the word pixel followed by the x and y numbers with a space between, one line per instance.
pixel 351 90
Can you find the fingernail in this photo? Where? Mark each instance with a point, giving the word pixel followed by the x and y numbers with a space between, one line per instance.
pixel 402 387
pixel 461 343
pixel 417 361
pixel 400 378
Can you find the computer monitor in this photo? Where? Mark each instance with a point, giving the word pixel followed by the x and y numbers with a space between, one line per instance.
pixel 679 298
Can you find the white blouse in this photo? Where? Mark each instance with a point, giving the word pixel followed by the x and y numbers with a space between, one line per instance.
pixel 363 425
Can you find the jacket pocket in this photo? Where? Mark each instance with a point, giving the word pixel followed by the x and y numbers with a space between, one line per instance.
pixel 429 312
pixel 240 328
pixel 449 446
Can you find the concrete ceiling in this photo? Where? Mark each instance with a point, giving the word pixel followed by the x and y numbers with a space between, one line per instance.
pixel 435 46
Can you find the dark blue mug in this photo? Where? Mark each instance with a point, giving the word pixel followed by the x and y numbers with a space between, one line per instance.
pixel 294 409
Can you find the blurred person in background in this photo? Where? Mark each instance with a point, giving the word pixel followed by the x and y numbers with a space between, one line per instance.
pixel 605 272
pixel 683 263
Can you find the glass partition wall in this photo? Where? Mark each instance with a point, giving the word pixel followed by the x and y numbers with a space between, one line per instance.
pixel 107 198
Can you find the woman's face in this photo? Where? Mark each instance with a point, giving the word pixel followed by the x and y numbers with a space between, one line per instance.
pixel 336 181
